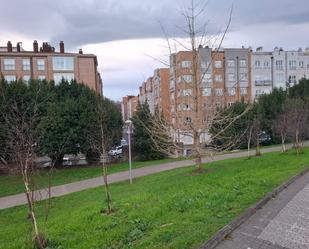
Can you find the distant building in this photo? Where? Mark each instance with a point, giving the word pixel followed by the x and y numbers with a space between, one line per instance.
pixel 45 63
pixel 128 107
pixel 156 92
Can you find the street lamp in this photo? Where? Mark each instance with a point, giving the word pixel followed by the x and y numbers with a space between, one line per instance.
pixel 129 131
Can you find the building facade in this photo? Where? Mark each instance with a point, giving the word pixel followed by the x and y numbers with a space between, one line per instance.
pixel 221 77
pixel 45 63
pixel 277 69
pixel 128 107
pixel 156 92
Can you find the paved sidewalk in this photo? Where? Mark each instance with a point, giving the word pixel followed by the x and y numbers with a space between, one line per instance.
pixel 283 223
pixel 20 199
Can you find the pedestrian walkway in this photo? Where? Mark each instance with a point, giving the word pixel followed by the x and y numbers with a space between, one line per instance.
pixel 283 223
pixel 20 199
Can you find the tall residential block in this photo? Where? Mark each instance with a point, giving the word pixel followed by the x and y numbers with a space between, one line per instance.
pixel 277 69
pixel 45 63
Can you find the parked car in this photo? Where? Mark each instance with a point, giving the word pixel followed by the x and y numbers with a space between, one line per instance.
pixel 117 151
pixel 264 138
pixel 67 161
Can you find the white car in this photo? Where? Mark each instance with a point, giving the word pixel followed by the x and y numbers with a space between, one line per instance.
pixel 115 152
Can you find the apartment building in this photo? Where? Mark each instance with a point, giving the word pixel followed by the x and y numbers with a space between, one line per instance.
pixel 45 63
pixel 222 77
pixel 128 106
pixel 160 89
pixel 156 91
pixel 277 69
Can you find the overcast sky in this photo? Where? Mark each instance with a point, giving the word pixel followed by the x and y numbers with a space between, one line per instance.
pixel 126 34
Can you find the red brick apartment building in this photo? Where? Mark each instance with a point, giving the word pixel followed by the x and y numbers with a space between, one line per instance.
pixel 45 63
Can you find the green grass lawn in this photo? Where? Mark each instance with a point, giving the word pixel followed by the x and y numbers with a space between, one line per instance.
pixel 173 209
pixel 10 184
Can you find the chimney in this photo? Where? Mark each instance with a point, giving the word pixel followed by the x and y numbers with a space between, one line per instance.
pixel 35 46
pixel 80 51
pixel 18 46
pixel 9 47
pixel 61 44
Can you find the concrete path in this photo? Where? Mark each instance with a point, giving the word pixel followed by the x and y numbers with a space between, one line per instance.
pixel 283 223
pixel 20 199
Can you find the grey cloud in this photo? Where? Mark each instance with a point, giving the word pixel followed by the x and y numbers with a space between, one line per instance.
pixel 93 21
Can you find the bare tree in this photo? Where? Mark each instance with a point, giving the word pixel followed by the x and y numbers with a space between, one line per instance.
pixel 101 140
pixel 22 116
pixel 167 133
pixel 297 112
pixel 281 126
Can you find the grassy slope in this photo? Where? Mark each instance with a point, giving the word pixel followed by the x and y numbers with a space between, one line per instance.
pixel 10 184
pixel 174 209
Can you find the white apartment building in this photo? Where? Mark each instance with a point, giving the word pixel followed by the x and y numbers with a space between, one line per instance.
pixel 277 69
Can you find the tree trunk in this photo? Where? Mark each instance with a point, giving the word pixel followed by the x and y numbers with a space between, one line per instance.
pixel 257 149
pixel 249 141
pixel 198 152
pixel 108 196
pixel 283 142
pixel 297 145
pixel 39 238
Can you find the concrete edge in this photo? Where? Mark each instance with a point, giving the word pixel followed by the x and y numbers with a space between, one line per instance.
pixel 228 229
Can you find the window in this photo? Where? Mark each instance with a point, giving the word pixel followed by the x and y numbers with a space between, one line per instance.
pixel 231 77
pixel 218 105
pixel 243 91
pixel 292 79
pixel 218 78
pixel 186 107
pixel 301 64
pixel 65 76
pixel 41 64
pixel 205 65
pixel 186 92
pixel 229 104
pixel 9 64
pixel 26 78
pixel 219 91
pixel 187 78
pixel 63 63
pixel 231 91
pixel 279 65
pixel 243 77
pixel 26 64
pixel 10 78
pixel 206 78
pixel 292 65
pixel 188 120
pixel 41 77
pixel 266 64
pixel 257 64
pixel 218 64
pixel 230 63
pixel 186 64
pixel 243 63
pixel 206 91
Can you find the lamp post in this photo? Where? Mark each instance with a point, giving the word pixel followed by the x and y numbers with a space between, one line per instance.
pixel 129 130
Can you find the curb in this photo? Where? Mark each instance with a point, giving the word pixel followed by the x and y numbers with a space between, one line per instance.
pixel 228 229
